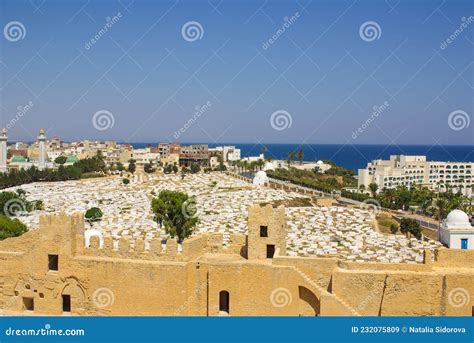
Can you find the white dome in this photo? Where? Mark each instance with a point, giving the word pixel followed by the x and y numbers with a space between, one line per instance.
pixel 268 166
pixel 260 178
pixel 457 217
pixel 320 162
pixel 89 233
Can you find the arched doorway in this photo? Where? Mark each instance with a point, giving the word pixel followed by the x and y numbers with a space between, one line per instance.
pixel 309 304
pixel 224 301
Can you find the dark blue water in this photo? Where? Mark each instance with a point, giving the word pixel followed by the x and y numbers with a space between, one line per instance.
pixel 354 156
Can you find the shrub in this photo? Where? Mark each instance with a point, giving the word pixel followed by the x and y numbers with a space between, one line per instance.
pixel 11 227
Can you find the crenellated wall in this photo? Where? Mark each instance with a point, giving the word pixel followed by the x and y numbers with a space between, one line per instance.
pixel 157 279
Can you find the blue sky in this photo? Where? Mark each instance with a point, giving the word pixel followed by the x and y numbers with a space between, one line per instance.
pixel 321 73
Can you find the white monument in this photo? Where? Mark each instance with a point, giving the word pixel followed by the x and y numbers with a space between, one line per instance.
pixel 3 150
pixel 42 150
pixel 260 178
pixel 456 231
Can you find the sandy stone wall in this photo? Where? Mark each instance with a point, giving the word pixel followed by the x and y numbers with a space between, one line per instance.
pixel 205 278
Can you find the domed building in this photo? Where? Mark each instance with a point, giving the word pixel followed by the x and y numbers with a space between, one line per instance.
pixel 456 231
pixel 260 178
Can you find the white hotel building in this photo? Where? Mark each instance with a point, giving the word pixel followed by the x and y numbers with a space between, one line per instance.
pixel 403 170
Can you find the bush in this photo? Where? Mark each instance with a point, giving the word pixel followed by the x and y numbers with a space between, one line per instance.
pixel 125 181
pixel 11 227
pixel 60 159
pixel 394 228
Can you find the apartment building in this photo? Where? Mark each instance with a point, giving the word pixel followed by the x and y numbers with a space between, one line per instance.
pixel 402 170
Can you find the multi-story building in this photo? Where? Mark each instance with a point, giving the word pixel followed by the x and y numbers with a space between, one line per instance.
pixel 195 153
pixel 145 156
pixel 227 152
pixel 403 170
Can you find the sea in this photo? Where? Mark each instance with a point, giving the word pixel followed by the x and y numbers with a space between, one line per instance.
pixel 351 157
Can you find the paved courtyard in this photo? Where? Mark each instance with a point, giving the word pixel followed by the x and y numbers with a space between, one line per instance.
pixel 222 203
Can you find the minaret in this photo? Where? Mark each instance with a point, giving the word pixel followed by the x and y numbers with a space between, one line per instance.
pixel 3 151
pixel 42 150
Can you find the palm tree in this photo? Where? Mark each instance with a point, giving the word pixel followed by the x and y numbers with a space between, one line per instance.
pixel 291 157
pixel 300 156
pixel 373 187
pixel 441 209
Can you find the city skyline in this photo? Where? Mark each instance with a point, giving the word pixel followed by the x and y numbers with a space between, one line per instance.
pixel 270 73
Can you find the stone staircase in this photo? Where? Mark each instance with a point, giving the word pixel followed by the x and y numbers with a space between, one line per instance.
pixel 320 290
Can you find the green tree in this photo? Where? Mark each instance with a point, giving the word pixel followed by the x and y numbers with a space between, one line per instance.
pixel 125 181
pixel 148 168
pixel 411 226
pixel 195 168
pixel 176 212
pixel 93 214
pixel 60 159
pixel 120 166
pixel 131 166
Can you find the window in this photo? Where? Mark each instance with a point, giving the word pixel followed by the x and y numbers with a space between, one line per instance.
pixel 270 250
pixel 53 262
pixel 66 303
pixel 263 231
pixel 28 304
pixel 224 301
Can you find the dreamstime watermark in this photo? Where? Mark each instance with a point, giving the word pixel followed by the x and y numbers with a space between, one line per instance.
pixel 465 22
pixel 281 297
pixel 21 111
pixel 281 120
pixel 103 120
pixel 370 31
pixel 288 21
pixel 103 297
pixel 200 110
pixel 189 209
pixel 458 120
pixel 371 205
pixel 14 208
pixel 14 31
pixel 110 21
pixel 458 297
pixel 377 110
pixel 46 331
pixel 192 31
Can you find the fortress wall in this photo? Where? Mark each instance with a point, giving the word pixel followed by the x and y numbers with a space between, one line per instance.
pixel 98 286
pixel 194 247
pixel 458 294
pixel 390 293
pixel 319 269
pixel 155 281
pixel 254 289
pixel 450 258
pixel 377 266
